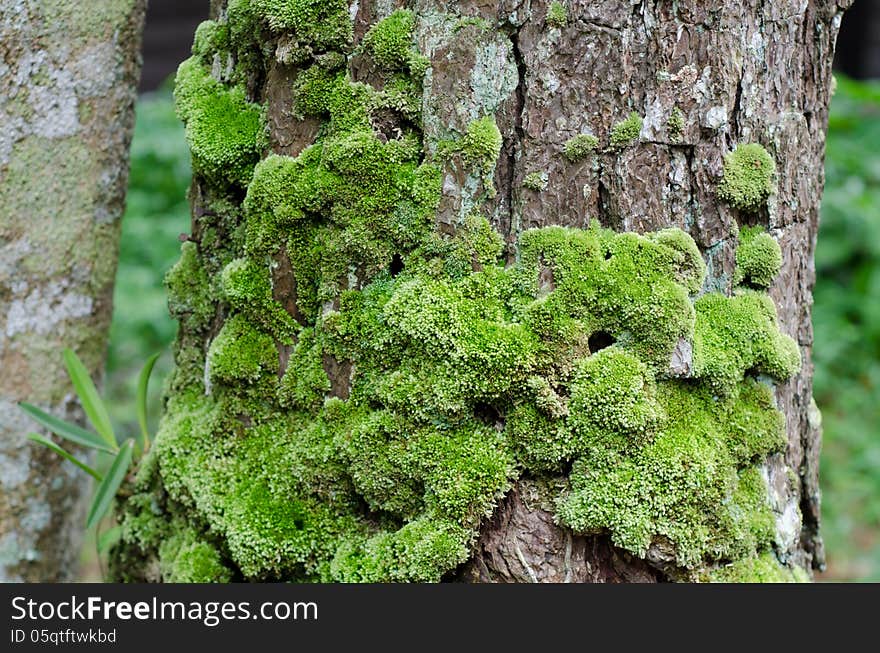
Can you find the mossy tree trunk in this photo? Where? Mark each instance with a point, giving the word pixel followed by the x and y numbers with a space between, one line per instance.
pixel 392 367
pixel 68 73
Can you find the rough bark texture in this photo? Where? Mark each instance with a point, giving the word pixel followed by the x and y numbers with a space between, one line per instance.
pixel 758 71
pixel 68 73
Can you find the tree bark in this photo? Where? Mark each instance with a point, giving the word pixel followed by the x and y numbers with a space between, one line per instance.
pixel 68 74
pixel 705 77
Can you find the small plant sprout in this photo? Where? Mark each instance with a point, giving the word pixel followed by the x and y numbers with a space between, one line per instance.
pixel 103 439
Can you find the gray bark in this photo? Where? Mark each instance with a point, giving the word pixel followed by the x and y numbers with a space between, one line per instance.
pixel 68 73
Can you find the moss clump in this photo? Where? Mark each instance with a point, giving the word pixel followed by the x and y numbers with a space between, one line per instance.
pixel 224 131
pixel 740 333
pixel 626 131
pixel 190 298
pixel 240 353
pixel 481 143
pixel 762 568
pixel 247 287
pixel 557 15
pixel 578 147
pixel 536 181
pixel 390 42
pixel 183 558
pixel 758 257
pixel 210 38
pixel 682 486
pixel 318 25
pixel 748 177
pixel 675 125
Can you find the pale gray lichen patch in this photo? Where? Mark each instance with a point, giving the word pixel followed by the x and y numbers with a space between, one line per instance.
pixel 45 307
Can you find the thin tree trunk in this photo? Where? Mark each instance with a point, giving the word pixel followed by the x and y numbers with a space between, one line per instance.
pixel 703 76
pixel 68 73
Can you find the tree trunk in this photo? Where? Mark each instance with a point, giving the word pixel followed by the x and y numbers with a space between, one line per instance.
pixel 378 401
pixel 68 75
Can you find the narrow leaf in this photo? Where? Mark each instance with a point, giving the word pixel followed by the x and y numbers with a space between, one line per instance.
pixel 64 429
pixel 143 386
pixel 39 439
pixel 107 489
pixel 88 396
pixel 108 538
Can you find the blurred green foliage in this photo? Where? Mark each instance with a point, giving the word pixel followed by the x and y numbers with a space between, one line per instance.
pixel 846 312
pixel 846 317
pixel 156 213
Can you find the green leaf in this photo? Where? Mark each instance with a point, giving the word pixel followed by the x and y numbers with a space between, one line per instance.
pixel 64 429
pixel 107 489
pixel 88 396
pixel 39 439
pixel 143 385
pixel 108 538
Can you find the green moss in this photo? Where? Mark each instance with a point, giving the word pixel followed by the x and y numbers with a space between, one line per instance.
pixel 578 147
pixel 224 131
pixel 210 38
pixel 241 353
pixel 247 286
pixel 319 24
pixel 183 558
pixel 681 487
pixel 738 334
pixel 390 42
pixel 748 177
pixel 482 141
pixel 626 131
pixel 762 568
pixel 557 15
pixel 305 382
pixel 675 125
pixel 536 181
pixel 613 402
pixel 190 299
pixel 758 257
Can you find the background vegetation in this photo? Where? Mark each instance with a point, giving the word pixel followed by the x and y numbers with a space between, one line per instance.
pixel 846 312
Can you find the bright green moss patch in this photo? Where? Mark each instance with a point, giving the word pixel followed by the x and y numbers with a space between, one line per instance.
pixel 319 25
pixel 183 558
pixel 240 353
pixel 481 144
pixel 626 131
pixel 190 299
pixel 682 486
pixel 557 15
pixel 758 257
pixel 224 131
pixel 390 41
pixel 748 177
pixel 738 334
pixel 578 147
pixel 762 568
pixel 247 286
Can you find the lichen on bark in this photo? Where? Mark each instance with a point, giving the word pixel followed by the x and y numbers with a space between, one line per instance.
pixel 436 362
pixel 68 74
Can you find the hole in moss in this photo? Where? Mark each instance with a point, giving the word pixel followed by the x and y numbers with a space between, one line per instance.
pixel 600 340
pixel 396 266
pixel 487 413
pixel 608 254
pixel 298 524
